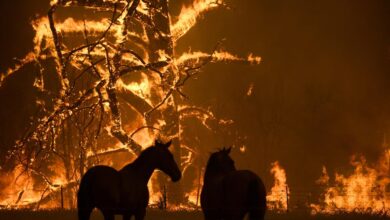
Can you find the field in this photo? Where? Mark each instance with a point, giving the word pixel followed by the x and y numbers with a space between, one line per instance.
pixel 178 215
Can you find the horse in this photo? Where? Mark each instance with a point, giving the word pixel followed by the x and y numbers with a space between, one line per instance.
pixel 230 194
pixel 124 192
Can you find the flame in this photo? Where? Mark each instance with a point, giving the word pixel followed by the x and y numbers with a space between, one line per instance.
pixel 23 191
pixel 217 56
pixel 254 59
pixel 242 149
pixel 141 88
pixel 189 16
pixel 155 194
pixel 69 25
pixel 23 188
pixel 250 90
pixel 18 188
pixel 365 190
pixel 29 58
pixel 193 197
pixel 278 197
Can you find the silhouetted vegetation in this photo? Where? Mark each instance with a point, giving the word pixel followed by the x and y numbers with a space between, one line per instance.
pixel 177 215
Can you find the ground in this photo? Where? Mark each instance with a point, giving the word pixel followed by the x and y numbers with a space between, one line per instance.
pixel 178 215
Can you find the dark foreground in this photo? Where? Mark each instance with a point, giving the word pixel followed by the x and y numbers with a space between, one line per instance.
pixel 172 215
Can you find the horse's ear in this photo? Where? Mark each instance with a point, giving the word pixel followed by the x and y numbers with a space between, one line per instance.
pixel 167 144
pixel 228 150
pixel 157 143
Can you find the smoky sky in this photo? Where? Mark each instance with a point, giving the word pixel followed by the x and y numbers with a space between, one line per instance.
pixel 320 95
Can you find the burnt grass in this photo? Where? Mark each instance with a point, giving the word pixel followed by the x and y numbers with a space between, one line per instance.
pixel 175 215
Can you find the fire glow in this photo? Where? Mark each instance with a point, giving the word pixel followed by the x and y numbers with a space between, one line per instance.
pixel 86 124
pixel 365 190
pixel 108 51
pixel 278 197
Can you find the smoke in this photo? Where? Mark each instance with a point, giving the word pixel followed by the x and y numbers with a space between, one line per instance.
pixel 320 95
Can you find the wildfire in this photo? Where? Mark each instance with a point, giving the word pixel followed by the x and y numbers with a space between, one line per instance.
pixel 22 191
pixel 112 48
pixel 17 184
pixel 217 56
pixel 189 16
pixel 117 110
pixel 279 195
pixel 363 191
pixel 141 88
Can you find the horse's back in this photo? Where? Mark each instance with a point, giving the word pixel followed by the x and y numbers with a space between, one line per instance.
pixel 99 187
pixel 242 180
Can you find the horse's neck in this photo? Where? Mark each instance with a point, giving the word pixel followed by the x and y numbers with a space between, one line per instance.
pixel 141 167
pixel 212 176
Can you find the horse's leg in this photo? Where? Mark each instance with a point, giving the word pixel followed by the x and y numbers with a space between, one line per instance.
pixel 127 216
pixel 140 215
pixel 234 217
pixel 84 208
pixel 108 215
pixel 258 202
pixel 211 215
pixel 84 213
pixel 84 203
pixel 231 214
pixel 257 213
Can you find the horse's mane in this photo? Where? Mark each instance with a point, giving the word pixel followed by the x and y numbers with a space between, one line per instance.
pixel 148 151
pixel 212 164
pixel 140 159
pixel 145 153
pixel 212 158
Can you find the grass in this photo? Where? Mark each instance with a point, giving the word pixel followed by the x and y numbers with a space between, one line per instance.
pixel 177 215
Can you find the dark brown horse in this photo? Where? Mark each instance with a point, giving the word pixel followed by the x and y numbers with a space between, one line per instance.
pixel 124 192
pixel 228 193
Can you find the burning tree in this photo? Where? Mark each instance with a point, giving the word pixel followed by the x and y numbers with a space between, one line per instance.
pixel 107 72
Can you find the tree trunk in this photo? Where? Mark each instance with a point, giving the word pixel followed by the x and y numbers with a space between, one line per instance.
pixel 162 41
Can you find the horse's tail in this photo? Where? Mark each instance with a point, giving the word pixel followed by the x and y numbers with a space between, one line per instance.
pixel 257 199
pixel 84 203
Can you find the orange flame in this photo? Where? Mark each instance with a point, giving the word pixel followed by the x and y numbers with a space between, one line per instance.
pixel 278 197
pixel 363 191
pixel 21 188
pixel 189 16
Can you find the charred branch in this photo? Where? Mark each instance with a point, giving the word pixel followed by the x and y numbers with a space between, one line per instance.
pixel 95 4
pixel 150 66
pixel 138 103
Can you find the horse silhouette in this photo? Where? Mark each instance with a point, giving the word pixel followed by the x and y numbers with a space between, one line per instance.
pixel 228 193
pixel 124 192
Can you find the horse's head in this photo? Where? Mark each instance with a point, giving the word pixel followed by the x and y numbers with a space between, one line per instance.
pixel 220 162
pixel 165 161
